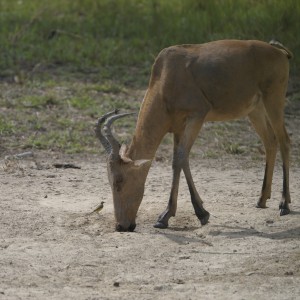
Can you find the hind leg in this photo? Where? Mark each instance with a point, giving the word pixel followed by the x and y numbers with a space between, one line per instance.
pixel 284 143
pixel 263 128
pixel 276 117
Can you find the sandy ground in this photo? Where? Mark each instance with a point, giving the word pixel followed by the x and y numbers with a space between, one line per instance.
pixel 51 249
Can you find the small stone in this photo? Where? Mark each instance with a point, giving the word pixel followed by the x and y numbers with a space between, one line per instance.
pixel 51 176
pixel 184 257
pixel 116 284
pixel 289 273
pixel 179 281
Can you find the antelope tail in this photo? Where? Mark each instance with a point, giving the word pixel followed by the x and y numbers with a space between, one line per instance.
pixel 278 45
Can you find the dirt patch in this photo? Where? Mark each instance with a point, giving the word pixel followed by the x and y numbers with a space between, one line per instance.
pixel 51 249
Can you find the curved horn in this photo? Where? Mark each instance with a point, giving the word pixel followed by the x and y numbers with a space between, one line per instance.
pixel 103 140
pixel 114 144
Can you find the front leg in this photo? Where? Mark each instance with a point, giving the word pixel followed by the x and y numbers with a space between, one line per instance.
pixel 183 142
pixel 178 157
pixel 163 219
pixel 201 213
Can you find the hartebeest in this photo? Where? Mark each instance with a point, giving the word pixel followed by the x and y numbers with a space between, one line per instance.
pixel 190 85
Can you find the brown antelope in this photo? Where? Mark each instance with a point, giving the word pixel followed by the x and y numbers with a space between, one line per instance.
pixel 190 85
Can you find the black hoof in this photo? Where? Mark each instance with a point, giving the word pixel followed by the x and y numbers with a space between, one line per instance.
pixel 160 225
pixel 284 209
pixel 204 219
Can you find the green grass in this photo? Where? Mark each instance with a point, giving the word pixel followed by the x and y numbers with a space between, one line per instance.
pixel 60 116
pixel 65 62
pixel 6 127
pixel 121 37
pixel 233 148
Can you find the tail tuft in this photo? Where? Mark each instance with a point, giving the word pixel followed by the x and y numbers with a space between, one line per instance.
pixel 279 46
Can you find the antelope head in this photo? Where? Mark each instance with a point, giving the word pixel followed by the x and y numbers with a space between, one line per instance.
pixel 126 177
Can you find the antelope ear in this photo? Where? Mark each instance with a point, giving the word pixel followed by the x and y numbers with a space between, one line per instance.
pixel 142 163
pixel 123 156
pixel 139 163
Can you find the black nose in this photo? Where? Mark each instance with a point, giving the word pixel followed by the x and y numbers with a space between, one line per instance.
pixel 120 228
pixel 132 227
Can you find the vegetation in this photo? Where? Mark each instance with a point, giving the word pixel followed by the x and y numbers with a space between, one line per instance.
pixel 64 62
pixel 114 35
pixel 60 116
